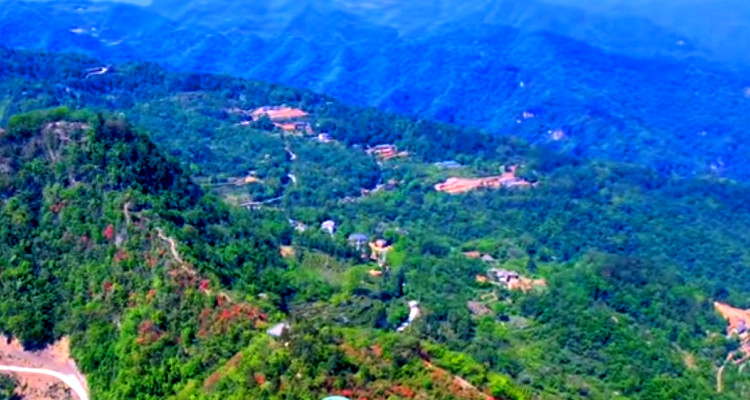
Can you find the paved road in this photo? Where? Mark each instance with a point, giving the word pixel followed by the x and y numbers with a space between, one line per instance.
pixel 70 380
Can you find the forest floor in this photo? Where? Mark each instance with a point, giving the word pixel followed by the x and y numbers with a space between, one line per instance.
pixel 43 375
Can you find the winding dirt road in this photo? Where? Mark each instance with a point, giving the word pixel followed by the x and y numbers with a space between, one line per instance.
pixel 172 245
pixel 70 380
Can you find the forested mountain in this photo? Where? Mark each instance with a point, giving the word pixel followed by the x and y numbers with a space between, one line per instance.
pixel 495 65
pixel 166 292
pixel 620 263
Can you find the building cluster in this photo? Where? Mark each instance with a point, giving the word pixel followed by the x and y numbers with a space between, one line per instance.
pixel 278 113
pixel 379 250
pixel 386 152
pixel 301 127
pixel 288 119
pixel 457 185
pixel 510 280
pixel 737 327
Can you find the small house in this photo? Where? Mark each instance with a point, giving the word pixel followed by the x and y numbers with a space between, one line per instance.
pixel 329 226
pixel 279 329
pixel 298 226
pixel 384 151
pixel 357 240
pixel 504 276
pixel 741 328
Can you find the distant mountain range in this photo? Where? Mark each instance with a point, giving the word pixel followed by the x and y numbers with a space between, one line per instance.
pixel 595 84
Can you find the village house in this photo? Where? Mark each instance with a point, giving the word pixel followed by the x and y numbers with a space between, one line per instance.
pixel 512 280
pixel 298 226
pixel 279 329
pixel 386 152
pixel 741 330
pixel 504 276
pixel 295 127
pixel 357 240
pixel 329 226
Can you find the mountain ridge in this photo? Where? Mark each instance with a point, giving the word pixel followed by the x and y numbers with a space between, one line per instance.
pixel 446 75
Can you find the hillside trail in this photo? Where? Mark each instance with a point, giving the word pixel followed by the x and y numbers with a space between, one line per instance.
pixel 720 375
pixel 172 248
pixel 183 266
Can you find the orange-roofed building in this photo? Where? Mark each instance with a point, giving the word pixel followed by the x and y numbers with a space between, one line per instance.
pixel 386 152
pixel 473 255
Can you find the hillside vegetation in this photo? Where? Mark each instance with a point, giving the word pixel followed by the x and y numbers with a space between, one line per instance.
pixel 165 292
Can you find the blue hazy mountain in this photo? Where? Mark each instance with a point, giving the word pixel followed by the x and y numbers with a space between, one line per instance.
pixel 721 28
pixel 540 71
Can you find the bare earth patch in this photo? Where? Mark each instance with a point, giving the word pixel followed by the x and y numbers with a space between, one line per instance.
pixel 40 386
